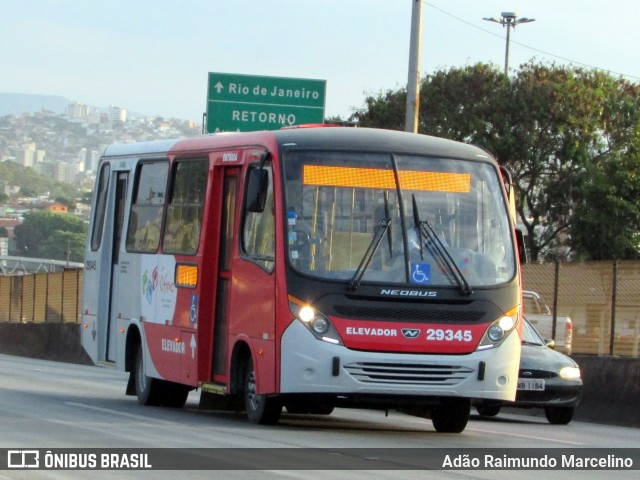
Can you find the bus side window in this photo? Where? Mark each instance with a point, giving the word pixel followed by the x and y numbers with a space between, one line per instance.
pixel 145 219
pixel 184 213
pixel 101 203
pixel 258 231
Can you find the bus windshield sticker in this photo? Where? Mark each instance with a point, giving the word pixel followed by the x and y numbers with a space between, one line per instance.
pixel 421 273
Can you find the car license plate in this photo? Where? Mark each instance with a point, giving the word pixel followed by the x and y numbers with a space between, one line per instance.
pixel 530 384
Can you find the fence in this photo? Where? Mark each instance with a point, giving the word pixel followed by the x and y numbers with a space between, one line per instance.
pixel 602 299
pixel 41 297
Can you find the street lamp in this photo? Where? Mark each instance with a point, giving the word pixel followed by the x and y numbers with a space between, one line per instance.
pixel 509 20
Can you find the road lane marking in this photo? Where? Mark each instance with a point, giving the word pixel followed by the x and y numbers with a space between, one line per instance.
pixel 116 412
pixel 534 437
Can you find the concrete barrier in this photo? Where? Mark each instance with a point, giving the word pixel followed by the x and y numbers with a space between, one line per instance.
pixel 611 392
pixel 610 396
pixel 59 342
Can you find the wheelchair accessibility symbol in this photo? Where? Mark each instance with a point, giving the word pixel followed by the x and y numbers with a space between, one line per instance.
pixel 421 273
pixel 193 311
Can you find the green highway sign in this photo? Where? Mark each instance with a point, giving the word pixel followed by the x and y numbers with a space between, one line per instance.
pixel 243 103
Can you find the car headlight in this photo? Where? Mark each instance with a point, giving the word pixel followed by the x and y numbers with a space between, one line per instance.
pixel 317 323
pixel 499 330
pixel 570 373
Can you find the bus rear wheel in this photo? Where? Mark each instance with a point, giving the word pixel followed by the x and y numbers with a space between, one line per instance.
pixel 261 409
pixel 453 416
pixel 148 390
pixel 153 391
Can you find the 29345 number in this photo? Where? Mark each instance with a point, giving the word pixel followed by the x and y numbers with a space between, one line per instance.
pixel 439 334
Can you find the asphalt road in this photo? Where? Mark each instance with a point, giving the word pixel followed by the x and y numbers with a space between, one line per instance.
pixel 49 405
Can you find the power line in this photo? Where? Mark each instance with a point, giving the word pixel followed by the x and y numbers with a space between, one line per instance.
pixel 529 47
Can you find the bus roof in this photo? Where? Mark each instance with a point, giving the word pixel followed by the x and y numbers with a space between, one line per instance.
pixel 370 139
pixel 339 138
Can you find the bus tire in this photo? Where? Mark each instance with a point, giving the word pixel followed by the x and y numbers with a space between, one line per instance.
pixel 174 395
pixel 148 390
pixel 261 409
pixel 452 417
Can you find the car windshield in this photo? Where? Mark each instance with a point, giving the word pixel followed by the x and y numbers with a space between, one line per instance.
pixel 373 218
pixel 531 336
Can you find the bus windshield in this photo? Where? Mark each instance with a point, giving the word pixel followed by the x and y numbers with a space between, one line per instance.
pixel 406 219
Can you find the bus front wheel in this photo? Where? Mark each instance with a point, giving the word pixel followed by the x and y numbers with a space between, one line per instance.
pixel 453 416
pixel 261 409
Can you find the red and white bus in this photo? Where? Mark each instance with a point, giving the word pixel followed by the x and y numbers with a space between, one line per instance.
pixel 306 269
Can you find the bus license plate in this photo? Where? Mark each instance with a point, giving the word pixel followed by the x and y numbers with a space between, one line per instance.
pixel 530 384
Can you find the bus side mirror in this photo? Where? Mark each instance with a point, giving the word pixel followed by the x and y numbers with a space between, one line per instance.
pixel 257 187
pixel 522 250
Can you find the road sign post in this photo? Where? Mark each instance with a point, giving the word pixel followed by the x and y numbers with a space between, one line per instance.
pixel 248 102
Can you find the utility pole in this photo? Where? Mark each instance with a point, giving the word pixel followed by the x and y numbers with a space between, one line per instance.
pixel 413 79
pixel 509 20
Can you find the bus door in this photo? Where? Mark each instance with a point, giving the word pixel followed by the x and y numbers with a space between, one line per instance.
pixel 99 263
pixel 252 300
pixel 118 221
pixel 227 216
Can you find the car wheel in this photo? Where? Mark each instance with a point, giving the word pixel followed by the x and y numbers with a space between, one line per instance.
pixel 559 415
pixel 488 410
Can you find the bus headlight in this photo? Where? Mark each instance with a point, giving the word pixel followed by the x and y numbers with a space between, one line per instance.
pixel 495 333
pixel 320 325
pixel 499 330
pixel 317 323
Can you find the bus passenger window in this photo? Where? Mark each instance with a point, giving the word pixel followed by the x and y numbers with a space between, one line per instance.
pixel 258 234
pixel 145 219
pixel 101 204
pixel 184 214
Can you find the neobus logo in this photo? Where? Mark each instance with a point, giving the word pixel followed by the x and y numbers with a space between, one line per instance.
pixel 407 293
pixel 410 332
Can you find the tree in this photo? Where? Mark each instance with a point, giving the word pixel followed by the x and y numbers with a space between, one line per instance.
pixel 50 235
pixel 32 183
pixel 551 126
pixel 64 246
pixel 607 222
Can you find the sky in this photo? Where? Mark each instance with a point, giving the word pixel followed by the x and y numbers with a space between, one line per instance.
pixel 153 56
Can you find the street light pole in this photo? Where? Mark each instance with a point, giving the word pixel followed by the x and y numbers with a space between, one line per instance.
pixel 509 20
pixel 413 80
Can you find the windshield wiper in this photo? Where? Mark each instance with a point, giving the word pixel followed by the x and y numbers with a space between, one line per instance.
pixel 380 231
pixel 426 229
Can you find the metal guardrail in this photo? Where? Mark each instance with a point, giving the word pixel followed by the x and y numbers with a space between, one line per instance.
pixel 10 265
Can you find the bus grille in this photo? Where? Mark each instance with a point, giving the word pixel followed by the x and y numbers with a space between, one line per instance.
pixel 407 374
